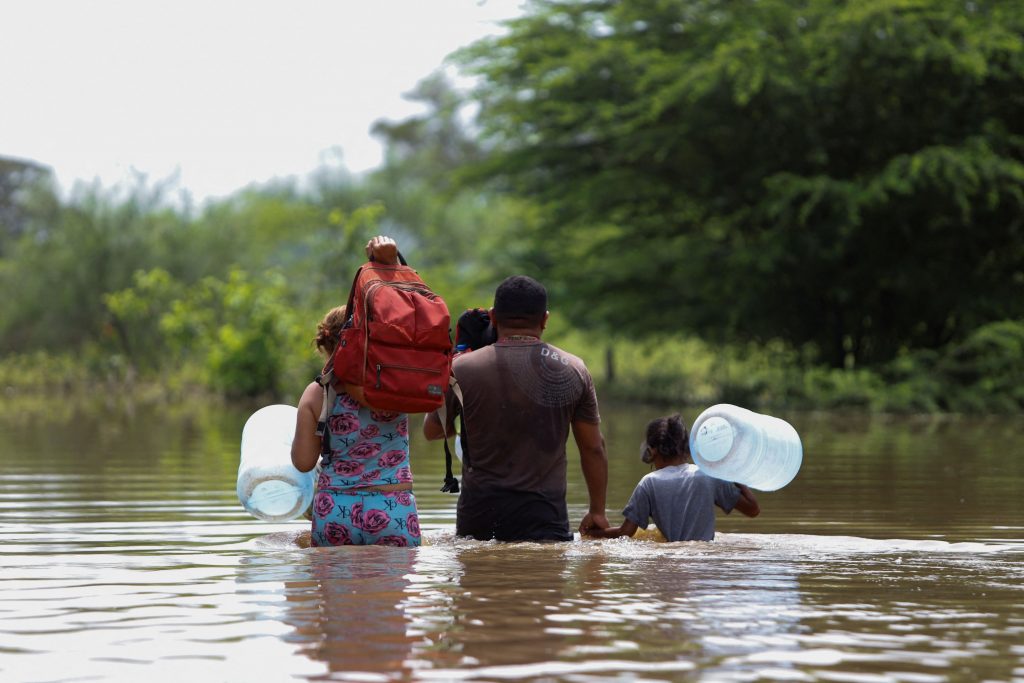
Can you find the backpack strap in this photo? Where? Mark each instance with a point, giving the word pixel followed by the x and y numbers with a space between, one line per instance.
pixel 451 484
pixel 326 382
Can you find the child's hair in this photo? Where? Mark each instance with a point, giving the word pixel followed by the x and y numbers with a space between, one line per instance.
pixel 328 330
pixel 666 435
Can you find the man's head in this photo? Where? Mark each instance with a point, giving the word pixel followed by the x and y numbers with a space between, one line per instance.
pixel 520 303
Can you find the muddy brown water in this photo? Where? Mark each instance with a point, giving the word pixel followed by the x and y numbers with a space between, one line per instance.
pixel 897 554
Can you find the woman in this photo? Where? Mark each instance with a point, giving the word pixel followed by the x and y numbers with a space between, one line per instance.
pixel 364 489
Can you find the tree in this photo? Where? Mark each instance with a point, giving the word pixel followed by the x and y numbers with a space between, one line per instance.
pixel 464 236
pixel 69 256
pixel 18 180
pixel 844 174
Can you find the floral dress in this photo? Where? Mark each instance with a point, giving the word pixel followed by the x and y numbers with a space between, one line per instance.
pixel 369 448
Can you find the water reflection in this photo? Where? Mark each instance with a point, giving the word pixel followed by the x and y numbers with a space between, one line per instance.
pixel 350 614
pixel 461 609
pixel 896 555
pixel 747 607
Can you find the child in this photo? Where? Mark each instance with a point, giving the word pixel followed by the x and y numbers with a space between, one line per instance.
pixel 677 494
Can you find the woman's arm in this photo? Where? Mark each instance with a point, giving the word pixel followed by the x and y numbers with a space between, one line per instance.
pixel 305 443
pixel 383 250
pixel 747 504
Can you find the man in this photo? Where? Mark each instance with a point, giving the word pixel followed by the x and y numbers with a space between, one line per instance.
pixel 520 398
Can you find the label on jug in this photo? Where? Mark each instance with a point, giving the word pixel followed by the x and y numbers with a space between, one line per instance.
pixel 714 439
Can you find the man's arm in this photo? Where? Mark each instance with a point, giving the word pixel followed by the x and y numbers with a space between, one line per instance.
pixel 432 429
pixel 594 461
pixel 627 528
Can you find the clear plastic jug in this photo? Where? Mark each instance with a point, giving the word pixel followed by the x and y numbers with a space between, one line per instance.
pixel 269 486
pixel 736 444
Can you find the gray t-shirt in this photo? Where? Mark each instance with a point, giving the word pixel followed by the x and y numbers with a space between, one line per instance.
pixel 681 500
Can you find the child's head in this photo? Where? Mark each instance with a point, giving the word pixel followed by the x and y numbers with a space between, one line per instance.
pixel 328 330
pixel 667 437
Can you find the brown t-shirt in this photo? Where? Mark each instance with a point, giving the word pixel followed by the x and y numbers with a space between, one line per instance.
pixel 519 400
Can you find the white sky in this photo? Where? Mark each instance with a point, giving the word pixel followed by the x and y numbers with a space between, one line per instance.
pixel 223 92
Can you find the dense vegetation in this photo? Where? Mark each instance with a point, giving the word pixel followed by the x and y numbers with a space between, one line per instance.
pixel 774 203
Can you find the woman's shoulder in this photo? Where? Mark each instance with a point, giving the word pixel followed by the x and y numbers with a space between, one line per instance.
pixel 312 392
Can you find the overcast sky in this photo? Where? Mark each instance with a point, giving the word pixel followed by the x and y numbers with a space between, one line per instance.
pixel 223 92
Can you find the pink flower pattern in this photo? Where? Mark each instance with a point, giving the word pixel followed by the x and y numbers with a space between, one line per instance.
pixel 346 423
pixel 368 448
pixel 412 523
pixel 397 541
pixel 391 459
pixel 348 468
pixel 368 519
pixel 364 450
pixel 323 503
pixel 374 521
pixel 356 515
pixel 337 534
pixel 348 402
pixel 401 497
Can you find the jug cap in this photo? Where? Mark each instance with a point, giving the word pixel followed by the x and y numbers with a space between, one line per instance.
pixel 714 438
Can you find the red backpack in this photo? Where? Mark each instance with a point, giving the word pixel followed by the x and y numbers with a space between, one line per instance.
pixel 395 351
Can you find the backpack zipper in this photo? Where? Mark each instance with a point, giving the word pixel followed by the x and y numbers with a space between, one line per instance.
pixel 409 368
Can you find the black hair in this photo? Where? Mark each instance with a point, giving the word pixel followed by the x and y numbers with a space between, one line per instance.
pixel 520 299
pixel 668 436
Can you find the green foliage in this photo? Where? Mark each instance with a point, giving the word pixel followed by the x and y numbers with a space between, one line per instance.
pixel 70 256
pixel 21 185
pixel 777 204
pixel 243 336
pixel 986 371
pixel 984 374
pixel 242 331
pixel 464 238
pixel 843 174
pixel 135 315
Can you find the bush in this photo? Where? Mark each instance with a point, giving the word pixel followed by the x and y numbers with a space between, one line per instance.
pixel 985 372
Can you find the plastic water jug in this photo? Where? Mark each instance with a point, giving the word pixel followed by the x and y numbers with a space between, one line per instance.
pixel 736 444
pixel 269 486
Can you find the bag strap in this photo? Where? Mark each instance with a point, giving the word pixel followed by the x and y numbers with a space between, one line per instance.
pixel 326 382
pixel 349 311
pixel 451 484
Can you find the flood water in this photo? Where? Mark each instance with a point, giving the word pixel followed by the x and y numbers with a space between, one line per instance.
pixel 896 555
